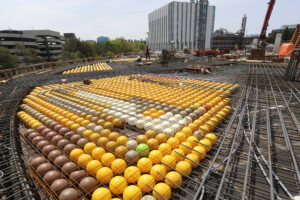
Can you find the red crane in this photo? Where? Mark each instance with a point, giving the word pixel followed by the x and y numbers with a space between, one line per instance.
pixel 262 36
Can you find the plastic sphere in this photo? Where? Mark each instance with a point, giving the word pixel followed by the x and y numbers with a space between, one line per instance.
pixel 193 159
pixel 75 153
pixel 161 138
pixel 193 140
pixel 148 197
pixel 178 154
pixel 150 134
pixel 107 159
pixel 187 131
pixel 132 192
pixel 117 185
pixel 155 156
pixel 163 190
pixel 118 166
pixel 104 175
pixel 102 141
pixel 113 136
pixel 131 145
pixel 132 156
pixel 173 177
pixel 173 142
pixel 199 135
pixel 141 139
pixel 206 144
pixel 111 146
pixel 89 147
pixel 186 147
pixel 140 124
pixel 184 167
pixel 101 194
pixel 144 165
pixel 93 166
pixel 199 151
pixel 143 150
pixel 98 129
pixel 144 181
pixel 169 162
pixel 97 153
pixel 156 172
pixel 153 144
pixel 84 159
pixel 122 140
pixel 180 136
pixel 132 174
pixel 117 122
pixel 121 151
pixel 165 149
pixel 212 137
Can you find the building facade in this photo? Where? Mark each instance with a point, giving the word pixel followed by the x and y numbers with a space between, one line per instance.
pixel 102 39
pixel 69 36
pixel 47 43
pixel 182 24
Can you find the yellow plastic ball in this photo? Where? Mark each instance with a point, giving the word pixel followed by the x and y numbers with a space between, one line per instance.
pixel 184 167
pixel 141 139
pixel 212 137
pixel 113 136
pixel 199 151
pixel 132 192
pixel 178 154
pixel 155 156
pixel 169 162
pixel 173 177
pixel 162 189
pixel 144 181
pixel 93 166
pixel 180 136
pixel 161 138
pixel 118 166
pixel 87 133
pixel 97 153
pixel 75 153
pixel 153 144
pixel 117 185
pixel 132 174
pixel 104 175
pixel 187 131
pixel 84 159
pixel 193 159
pixel 186 147
pixel 89 147
pixel 122 140
pixel 144 165
pixel 120 151
pixel 156 172
pixel 165 149
pixel 206 144
pixel 173 142
pixel 150 134
pixel 193 140
pixel 101 194
pixel 107 159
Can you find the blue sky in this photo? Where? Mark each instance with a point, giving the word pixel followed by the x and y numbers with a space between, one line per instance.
pixel 129 18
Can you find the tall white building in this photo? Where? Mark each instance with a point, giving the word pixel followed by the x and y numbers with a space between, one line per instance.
pixel 182 24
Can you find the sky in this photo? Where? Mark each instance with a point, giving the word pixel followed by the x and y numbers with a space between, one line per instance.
pixel 89 19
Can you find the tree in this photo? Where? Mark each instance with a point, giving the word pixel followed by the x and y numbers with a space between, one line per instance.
pixel 7 60
pixel 29 54
pixel 287 34
pixel 271 39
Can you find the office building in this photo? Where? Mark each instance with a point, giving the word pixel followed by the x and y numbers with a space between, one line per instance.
pixel 69 35
pixel 47 43
pixel 182 24
pixel 102 39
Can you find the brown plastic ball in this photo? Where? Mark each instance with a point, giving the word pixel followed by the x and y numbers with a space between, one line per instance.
pixel 33 135
pixel 69 167
pixel 69 134
pixel 44 168
pixel 59 185
pixel 46 130
pixel 69 194
pixel 51 176
pixel 51 134
pixel 61 160
pixel 62 143
pixel 57 138
pixel 88 184
pixel 42 144
pixel 54 154
pixel 28 131
pixel 37 139
pixel 77 176
pixel 41 128
pixel 47 149
pixel 69 147
pixel 58 126
pixel 75 138
pixel 53 124
pixel 37 161
pixel 63 130
pixel 111 146
pixel 82 141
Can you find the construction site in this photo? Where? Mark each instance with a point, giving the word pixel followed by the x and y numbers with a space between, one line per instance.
pixel 178 126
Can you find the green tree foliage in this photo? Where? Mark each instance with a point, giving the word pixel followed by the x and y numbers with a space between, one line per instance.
pixel 271 39
pixel 29 54
pixel 287 34
pixel 7 60
pixel 74 48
